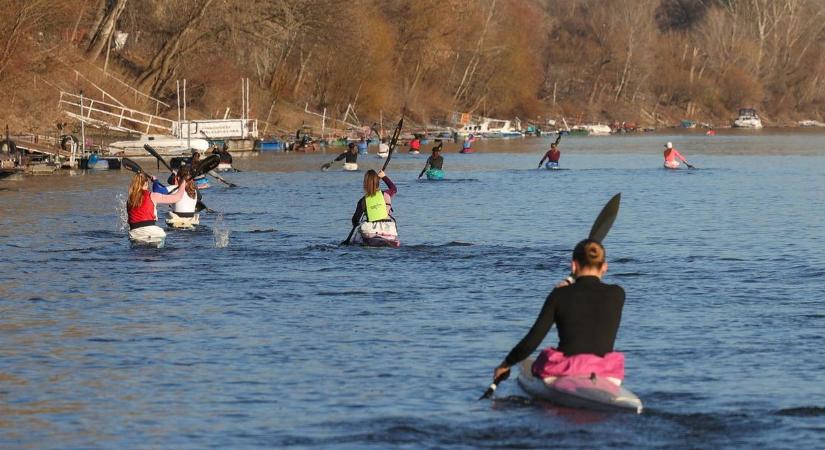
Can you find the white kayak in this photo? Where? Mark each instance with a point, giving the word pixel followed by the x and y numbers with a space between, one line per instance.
pixel 595 393
pixel 185 223
pixel 350 167
pixel 149 236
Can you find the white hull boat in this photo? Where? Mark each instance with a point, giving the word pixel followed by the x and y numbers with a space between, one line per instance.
pixel 165 146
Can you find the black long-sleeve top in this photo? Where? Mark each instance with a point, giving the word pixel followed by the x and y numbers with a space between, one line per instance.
pixel 348 156
pixel 436 162
pixel 587 315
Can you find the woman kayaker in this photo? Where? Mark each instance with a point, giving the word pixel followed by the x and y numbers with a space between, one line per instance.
pixel 141 207
pixel 350 157
pixel 415 145
pixel 376 206
pixel 185 211
pixel 671 155
pixel 467 146
pixel 434 168
pixel 552 156
pixel 383 148
pixel 587 315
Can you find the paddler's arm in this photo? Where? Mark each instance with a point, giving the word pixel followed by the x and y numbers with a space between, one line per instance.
pixel 173 198
pixel 391 189
pixel 546 156
pixel 426 166
pixel 341 156
pixel 532 340
pixel 158 187
pixel 359 211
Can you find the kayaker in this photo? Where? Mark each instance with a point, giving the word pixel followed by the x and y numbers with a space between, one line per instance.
pixel 141 207
pixel 415 145
pixel 552 156
pixel 587 315
pixel 671 155
pixel 363 147
pixel 350 157
pixel 383 148
pixel 376 204
pixel 467 146
pixel 434 168
pixel 184 213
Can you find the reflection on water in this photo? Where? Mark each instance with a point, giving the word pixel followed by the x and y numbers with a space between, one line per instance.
pixel 285 339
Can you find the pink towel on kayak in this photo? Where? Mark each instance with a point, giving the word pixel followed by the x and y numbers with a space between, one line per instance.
pixel 553 363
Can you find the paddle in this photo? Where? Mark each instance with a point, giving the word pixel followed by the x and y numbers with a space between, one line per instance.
pixel 154 153
pixel 218 177
pixel 598 232
pixel 206 165
pixel 131 165
pixel 393 143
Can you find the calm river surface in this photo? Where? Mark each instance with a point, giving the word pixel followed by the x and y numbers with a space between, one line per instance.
pixel 283 339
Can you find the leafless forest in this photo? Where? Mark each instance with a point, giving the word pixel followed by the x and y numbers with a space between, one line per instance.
pixel 651 61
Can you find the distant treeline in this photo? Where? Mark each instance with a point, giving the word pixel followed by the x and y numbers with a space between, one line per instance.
pixel 641 60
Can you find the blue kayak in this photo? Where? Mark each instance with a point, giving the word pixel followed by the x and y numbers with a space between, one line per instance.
pixel 435 174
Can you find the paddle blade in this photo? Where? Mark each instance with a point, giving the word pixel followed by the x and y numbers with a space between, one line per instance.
pixel 208 164
pixel 326 166
pixel 606 218
pixel 154 153
pixel 131 165
pixel 492 388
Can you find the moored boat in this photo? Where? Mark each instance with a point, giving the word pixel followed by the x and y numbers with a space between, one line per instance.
pixel 748 119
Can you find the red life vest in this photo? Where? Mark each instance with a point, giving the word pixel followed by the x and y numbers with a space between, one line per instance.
pixel 145 212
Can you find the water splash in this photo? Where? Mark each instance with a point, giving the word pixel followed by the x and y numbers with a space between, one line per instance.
pixel 221 232
pixel 120 210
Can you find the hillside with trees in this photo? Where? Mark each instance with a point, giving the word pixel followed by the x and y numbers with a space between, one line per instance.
pixel 651 61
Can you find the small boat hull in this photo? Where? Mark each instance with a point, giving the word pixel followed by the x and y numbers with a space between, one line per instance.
pixel 435 174
pixel 350 167
pixel 377 234
pixel 151 236
pixel 549 165
pixel 593 393
pixel 182 223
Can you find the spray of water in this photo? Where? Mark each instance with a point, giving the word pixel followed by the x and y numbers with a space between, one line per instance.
pixel 221 232
pixel 120 210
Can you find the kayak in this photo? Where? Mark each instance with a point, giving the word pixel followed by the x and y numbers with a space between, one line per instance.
pixel 224 167
pixel 182 223
pixel 467 150
pixel 595 393
pixel 377 234
pixel 413 152
pixel 201 183
pixel 382 155
pixel 150 236
pixel 435 174
pixel 671 164
pixel 350 167
pixel 551 165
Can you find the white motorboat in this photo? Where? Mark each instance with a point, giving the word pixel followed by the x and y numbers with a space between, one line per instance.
pixel 165 146
pixel 490 128
pixel 747 119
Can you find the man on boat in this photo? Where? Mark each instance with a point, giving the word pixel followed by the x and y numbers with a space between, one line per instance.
pixel 672 157
pixel 552 156
pixel 434 168
pixel 363 147
pixel 587 313
pixel 350 157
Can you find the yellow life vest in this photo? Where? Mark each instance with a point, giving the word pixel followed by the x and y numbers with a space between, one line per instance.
pixel 376 208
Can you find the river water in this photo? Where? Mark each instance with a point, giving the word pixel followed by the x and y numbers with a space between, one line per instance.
pixel 260 331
